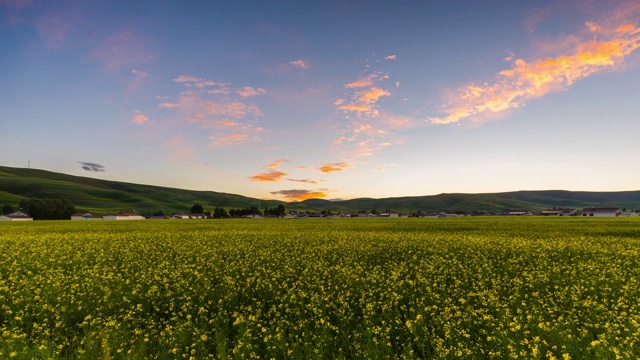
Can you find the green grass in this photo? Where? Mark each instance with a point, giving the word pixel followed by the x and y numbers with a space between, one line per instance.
pixel 103 196
pixel 453 288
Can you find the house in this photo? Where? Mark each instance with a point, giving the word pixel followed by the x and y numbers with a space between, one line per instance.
pixel 390 214
pixel 123 216
pixel 560 212
pixel 180 216
pixel 16 216
pixel 601 212
pixel 85 216
pixel 517 212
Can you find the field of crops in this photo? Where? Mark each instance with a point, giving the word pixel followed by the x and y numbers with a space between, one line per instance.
pixel 565 288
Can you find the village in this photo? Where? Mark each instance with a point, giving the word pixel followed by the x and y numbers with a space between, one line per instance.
pixel 21 215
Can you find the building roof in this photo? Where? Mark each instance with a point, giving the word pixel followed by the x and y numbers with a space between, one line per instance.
pixel 600 210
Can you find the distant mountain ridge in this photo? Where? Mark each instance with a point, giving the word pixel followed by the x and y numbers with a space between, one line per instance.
pixel 101 196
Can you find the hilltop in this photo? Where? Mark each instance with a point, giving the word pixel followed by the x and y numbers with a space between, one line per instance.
pixel 101 196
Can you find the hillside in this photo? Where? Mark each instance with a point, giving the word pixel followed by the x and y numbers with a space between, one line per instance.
pixel 102 196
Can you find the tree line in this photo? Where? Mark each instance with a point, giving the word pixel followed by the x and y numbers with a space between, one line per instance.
pixel 44 209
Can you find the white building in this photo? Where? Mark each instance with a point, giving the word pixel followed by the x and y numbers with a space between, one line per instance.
pixel 601 212
pixel 16 216
pixel 85 216
pixel 123 216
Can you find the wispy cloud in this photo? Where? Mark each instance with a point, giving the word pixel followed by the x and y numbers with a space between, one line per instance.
pixel 276 164
pixel 248 91
pixel 90 166
pixel 598 47
pixel 139 118
pixel 269 176
pixel 228 111
pixel 122 49
pixel 391 57
pixel 334 167
pixel 305 181
pixel 300 64
pixel 299 195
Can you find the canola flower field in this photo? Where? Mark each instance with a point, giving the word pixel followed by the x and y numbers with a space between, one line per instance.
pixel 458 288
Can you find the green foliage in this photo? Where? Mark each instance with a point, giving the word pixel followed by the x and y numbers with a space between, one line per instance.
pixel 453 288
pixel 7 209
pixel 197 209
pixel 49 209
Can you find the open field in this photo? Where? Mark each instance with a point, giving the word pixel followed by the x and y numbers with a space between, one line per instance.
pixel 321 288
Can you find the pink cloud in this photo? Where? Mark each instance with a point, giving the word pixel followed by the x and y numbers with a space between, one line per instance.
pixel 54 28
pixel 139 118
pixel 300 64
pixel 17 4
pixel 122 49
pixel 248 91
pixel 391 57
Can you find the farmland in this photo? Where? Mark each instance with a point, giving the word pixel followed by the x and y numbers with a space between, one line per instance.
pixel 564 288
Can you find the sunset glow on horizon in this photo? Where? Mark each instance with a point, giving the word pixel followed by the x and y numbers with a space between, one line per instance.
pixel 294 100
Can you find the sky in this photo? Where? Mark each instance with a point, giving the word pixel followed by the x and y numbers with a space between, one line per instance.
pixel 291 100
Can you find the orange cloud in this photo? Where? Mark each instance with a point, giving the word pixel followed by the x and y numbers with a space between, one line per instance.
pixel 334 167
pixel 168 105
pixel 300 194
pixel 276 163
pixel 269 176
pixel 372 95
pixel 360 83
pixel 391 57
pixel 529 80
pixel 306 181
pixel 139 119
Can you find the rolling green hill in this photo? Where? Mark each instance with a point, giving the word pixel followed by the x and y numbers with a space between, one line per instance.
pixel 102 196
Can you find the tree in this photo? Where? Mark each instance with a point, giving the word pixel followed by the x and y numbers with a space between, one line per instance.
pixel 197 209
pixel 7 209
pixel 220 213
pixel 49 209
pixel 281 210
pixel 158 213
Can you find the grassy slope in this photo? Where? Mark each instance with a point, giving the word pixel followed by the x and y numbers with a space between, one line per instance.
pixel 103 196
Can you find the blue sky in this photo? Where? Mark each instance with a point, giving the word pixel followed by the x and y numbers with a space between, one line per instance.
pixel 333 99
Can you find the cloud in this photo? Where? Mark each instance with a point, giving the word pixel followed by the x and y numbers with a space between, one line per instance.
pixel 17 4
pixel 276 164
pixel 89 166
pixel 380 169
pixel 577 56
pixel 168 105
pixel 248 91
pixel 139 118
pixel 122 49
pixel 300 64
pixel 300 194
pixel 334 167
pixel 139 73
pixel 221 140
pixel 269 176
pixel 391 57
pixel 305 181
pixel 54 28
